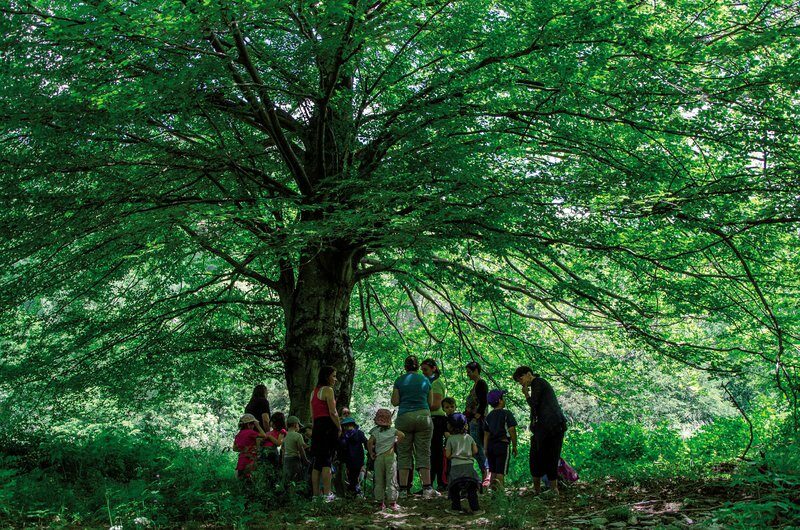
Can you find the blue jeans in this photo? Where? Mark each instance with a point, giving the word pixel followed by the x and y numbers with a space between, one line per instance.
pixel 476 431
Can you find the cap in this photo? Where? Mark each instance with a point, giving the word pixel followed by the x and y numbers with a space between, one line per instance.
pixel 291 420
pixel 248 418
pixel 494 397
pixel 348 420
pixel 457 420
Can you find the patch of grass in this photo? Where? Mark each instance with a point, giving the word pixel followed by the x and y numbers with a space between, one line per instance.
pixel 618 513
pixel 512 511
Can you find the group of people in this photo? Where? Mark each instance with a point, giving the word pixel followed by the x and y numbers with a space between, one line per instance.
pixel 428 435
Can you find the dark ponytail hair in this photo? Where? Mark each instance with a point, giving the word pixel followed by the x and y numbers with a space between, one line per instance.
pixel 260 391
pixel 324 374
pixel 411 363
pixel 278 421
pixel 432 364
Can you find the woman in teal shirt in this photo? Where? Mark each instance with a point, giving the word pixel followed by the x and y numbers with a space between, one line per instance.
pixel 412 393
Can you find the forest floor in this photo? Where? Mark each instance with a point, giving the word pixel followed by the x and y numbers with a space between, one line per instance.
pixel 666 505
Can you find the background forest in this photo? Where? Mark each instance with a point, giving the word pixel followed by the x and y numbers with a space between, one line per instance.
pixel 202 195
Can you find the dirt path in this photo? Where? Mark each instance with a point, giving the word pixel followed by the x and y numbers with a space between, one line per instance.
pixel 670 505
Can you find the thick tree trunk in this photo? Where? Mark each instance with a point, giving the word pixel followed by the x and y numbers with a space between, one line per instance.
pixel 317 328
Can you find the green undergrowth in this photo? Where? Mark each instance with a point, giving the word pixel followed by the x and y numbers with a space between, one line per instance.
pixel 631 453
pixel 117 478
pixel 773 481
pixel 133 479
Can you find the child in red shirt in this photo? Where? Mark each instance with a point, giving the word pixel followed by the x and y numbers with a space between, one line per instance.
pixel 246 444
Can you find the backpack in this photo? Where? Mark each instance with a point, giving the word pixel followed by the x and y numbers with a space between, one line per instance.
pixel 566 472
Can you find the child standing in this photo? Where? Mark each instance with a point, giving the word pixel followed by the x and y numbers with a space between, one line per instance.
pixel 501 428
pixel 460 450
pixel 246 444
pixel 381 449
pixel 351 453
pixel 295 461
pixel 449 407
pixel 274 439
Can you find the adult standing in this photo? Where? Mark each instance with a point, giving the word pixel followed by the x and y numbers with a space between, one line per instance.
pixel 259 406
pixel 475 411
pixel 430 370
pixel 548 426
pixel 325 431
pixel 412 393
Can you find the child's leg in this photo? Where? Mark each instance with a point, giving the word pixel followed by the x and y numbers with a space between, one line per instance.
pixel 454 492
pixel 391 477
pixel 380 478
pixel 352 477
pixel 472 497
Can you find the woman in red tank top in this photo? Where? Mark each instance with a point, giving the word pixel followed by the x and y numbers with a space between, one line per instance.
pixel 325 431
pixel 319 407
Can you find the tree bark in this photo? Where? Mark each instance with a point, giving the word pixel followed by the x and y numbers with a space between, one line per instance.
pixel 317 331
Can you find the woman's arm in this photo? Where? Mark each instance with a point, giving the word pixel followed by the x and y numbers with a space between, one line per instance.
pixel 265 419
pixel 430 399
pixel 482 393
pixel 327 395
pixel 435 401
pixel 513 432
pixel 395 397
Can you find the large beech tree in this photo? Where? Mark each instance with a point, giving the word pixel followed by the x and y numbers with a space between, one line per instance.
pixel 192 183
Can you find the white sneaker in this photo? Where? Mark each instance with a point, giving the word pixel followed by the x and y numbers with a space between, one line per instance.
pixel 330 497
pixel 430 493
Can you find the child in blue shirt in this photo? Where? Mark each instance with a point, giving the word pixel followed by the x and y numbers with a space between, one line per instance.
pixel 500 431
pixel 351 453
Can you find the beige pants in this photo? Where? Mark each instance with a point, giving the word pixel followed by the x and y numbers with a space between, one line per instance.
pixel 416 446
pixel 386 477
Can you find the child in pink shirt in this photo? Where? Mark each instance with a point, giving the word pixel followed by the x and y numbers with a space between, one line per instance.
pixel 246 444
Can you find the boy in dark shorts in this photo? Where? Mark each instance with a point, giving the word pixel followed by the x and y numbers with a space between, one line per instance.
pixel 500 430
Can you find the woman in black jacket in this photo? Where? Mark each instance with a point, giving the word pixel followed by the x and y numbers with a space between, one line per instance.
pixel 548 426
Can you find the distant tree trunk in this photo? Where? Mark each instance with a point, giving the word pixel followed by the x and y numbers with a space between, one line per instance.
pixel 317 327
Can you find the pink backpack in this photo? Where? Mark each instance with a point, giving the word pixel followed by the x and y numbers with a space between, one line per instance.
pixel 566 472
